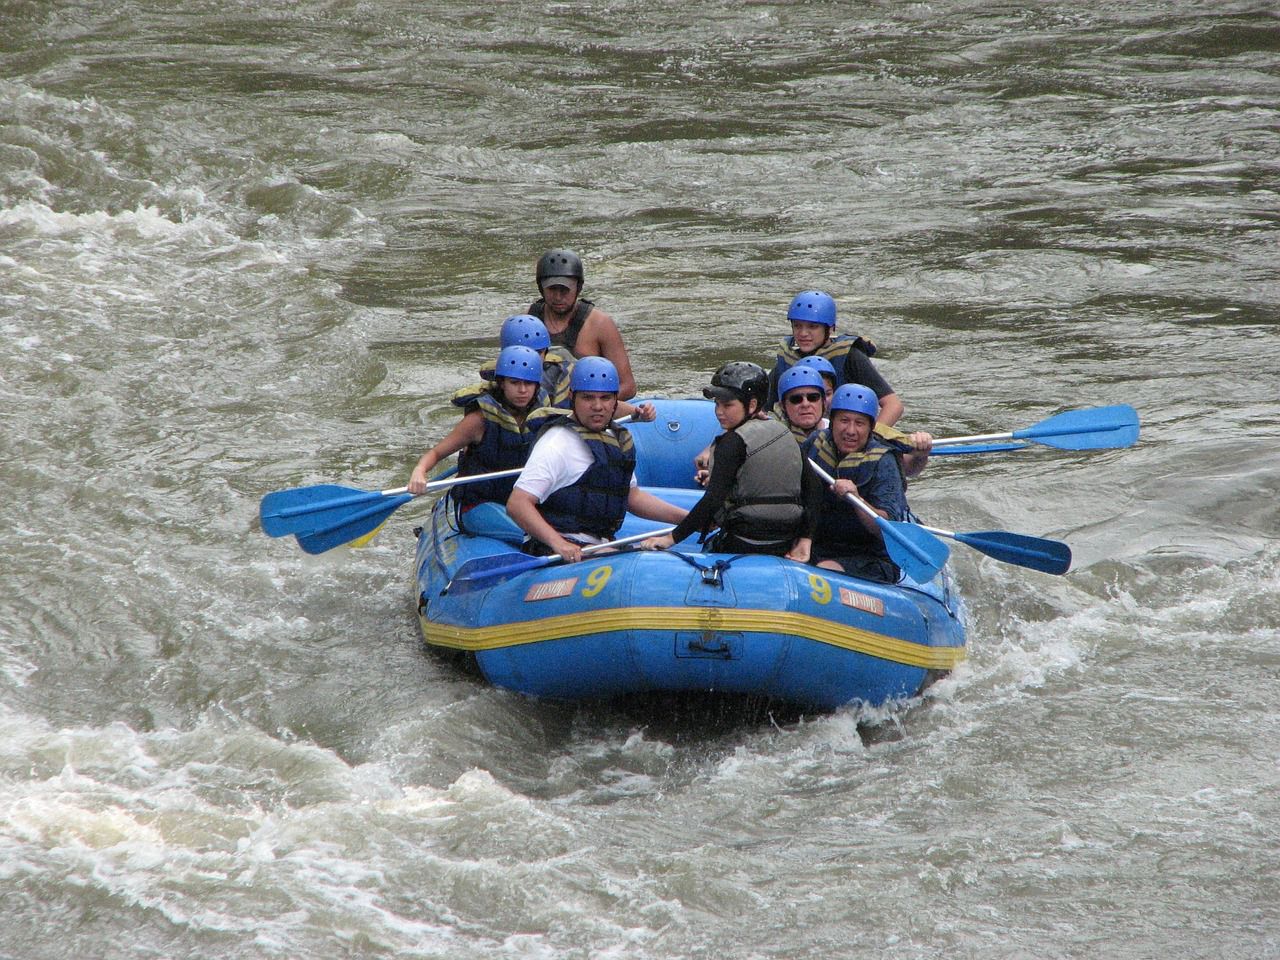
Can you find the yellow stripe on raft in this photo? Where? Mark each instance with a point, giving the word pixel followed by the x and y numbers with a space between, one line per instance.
pixel 670 619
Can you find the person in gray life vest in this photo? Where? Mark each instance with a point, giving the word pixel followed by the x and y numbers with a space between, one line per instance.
pixel 578 325
pixel 758 492
pixel 579 481
pixel 845 538
pixel 496 432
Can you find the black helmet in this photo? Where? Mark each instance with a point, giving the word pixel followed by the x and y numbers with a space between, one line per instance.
pixel 559 263
pixel 739 380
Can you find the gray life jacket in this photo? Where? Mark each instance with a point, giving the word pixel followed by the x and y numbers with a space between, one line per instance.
pixel 765 500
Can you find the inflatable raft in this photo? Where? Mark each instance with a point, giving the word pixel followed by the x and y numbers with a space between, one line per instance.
pixel 680 621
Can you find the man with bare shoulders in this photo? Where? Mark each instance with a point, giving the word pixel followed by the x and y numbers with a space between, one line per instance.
pixel 578 325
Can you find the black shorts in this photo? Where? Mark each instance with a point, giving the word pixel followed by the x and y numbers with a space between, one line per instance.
pixel 863 566
pixel 724 542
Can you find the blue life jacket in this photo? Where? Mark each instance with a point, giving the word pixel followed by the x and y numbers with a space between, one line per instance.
pixel 840 529
pixel 557 365
pixel 596 503
pixel 505 445
pixel 836 349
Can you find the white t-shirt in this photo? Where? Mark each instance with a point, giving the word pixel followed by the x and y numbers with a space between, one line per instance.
pixel 558 459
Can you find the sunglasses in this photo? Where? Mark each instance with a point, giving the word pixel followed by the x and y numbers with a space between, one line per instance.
pixel 795 398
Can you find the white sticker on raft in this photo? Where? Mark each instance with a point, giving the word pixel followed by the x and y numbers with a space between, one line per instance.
pixel 550 589
pixel 860 601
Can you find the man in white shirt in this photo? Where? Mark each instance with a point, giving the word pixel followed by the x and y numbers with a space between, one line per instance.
pixel 579 480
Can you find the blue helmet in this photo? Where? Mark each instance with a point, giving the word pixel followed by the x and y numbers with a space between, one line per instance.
pixel 524 330
pixel 821 364
pixel 800 376
pixel 813 306
pixel 856 398
pixel 596 374
pixel 519 363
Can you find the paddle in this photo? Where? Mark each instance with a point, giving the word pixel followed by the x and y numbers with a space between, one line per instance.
pixel 919 553
pixel 1095 428
pixel 958 449
pixel 483 571
pixel 1035 553
pixel 327 515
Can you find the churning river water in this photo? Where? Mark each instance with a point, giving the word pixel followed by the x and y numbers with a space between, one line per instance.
pixel 249 246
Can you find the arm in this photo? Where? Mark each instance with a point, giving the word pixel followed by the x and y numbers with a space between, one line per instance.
pixel 883 490
pixel 731 453
pixel 891 409
pixel 469 430
pixel 639 413
pixel 842 487
pixel 913 463
pixel 644 504
pixel 600 336
pixel 811 494
pixel 858 368
pixel 702 466
pixel 523 509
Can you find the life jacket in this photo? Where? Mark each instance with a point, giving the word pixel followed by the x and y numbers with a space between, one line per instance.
pixel 505 445
pixel 764 502
pixel 556 367
pixel 840 524
pixel 568 337
pixel 595 503
pixel 836 349
pixel 893 438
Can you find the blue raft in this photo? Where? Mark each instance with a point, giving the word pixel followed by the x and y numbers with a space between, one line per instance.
pixel 637 622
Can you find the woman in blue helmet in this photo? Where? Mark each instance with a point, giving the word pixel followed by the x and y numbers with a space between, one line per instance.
pixel 758 492
pixel 845 538
pixel 579 481
pixel 497 431
pixel 812 314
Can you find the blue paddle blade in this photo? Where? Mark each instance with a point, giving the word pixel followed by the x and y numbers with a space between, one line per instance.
pixel 304 509
pixel 918 552
pixel 490 571
pixel 351 524
pixel 1035 553
pixel 1094 429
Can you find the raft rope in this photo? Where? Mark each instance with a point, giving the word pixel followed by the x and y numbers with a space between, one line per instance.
pixel 710 574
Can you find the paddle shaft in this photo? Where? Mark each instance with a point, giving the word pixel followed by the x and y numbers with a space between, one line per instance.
pixel 1092 428
pixel 623 541
pixel 852 497
pixel 975 438
pixel 464 580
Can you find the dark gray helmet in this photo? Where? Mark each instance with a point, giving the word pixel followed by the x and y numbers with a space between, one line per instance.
pixel 559 263
pixel 739 380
